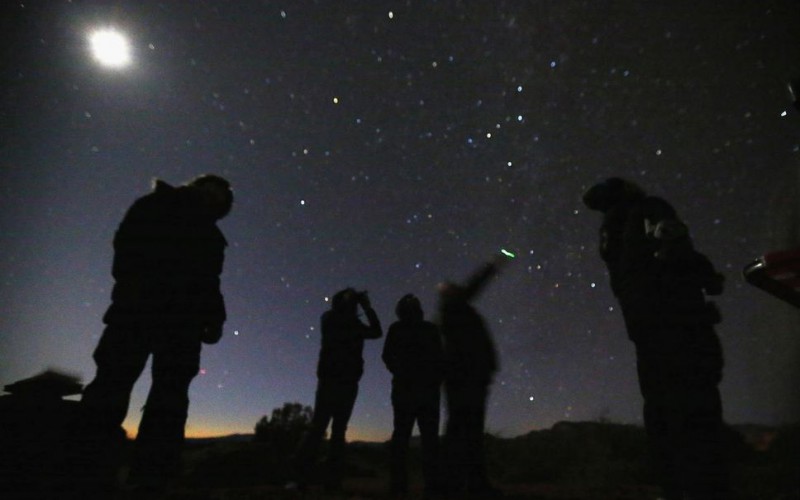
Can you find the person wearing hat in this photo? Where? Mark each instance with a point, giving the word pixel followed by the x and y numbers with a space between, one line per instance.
pixel 661 283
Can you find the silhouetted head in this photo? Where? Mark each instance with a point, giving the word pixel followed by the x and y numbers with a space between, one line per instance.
pixel 345 301
pixel 216 194
pixel 603 196
pixel 408 308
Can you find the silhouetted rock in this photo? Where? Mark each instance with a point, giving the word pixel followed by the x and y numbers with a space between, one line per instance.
pixel 48 384
pixel 35 430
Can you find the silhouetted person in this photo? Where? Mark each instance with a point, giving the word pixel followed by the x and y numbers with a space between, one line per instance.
pixel 338 372
pixel 661 283
pixel 166 301
pixel 413 354
pixel 470 364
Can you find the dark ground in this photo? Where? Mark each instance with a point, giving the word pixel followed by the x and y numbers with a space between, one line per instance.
pixel 578 461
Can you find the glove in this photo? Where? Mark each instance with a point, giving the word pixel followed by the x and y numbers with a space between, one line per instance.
pixel 211 334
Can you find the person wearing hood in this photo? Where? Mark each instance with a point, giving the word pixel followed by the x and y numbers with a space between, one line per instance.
pixel 661 283
pixel 166 302
pixel 413 354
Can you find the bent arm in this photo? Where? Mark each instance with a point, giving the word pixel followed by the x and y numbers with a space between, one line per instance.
pixel 479 279
pixel 389 354
pixel 373 329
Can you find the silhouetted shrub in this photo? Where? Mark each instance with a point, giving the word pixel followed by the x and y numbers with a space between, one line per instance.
pixel 285 428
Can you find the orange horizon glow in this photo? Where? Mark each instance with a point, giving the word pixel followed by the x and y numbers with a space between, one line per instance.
pixel 369 435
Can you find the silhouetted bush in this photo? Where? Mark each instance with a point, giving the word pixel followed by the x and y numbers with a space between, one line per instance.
pixel 284 430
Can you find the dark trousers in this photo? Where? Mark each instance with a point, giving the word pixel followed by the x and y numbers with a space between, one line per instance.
pixel 415 403
pixel 333 402
pixel 679 371
pixel 121 356
pixel 463 462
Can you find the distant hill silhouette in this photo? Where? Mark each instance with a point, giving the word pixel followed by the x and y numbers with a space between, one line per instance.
pixel 229 438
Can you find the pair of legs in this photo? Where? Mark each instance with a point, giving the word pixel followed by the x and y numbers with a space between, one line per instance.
pixel 679 372
pixel 415 403
pixel 464 462
pixel 121 357
pixel 333 402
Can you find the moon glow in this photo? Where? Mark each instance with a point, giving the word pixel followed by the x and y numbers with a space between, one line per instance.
pixel 110 48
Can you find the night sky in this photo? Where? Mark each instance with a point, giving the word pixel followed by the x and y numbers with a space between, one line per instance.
pixel 390 146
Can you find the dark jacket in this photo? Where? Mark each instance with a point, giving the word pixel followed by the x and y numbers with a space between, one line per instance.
pixel 470 355
pixel 659 282
pixel 168 257
pixel 340 357
pixel 413 353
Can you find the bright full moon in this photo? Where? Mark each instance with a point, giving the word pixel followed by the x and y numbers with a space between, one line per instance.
pixel 110 48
